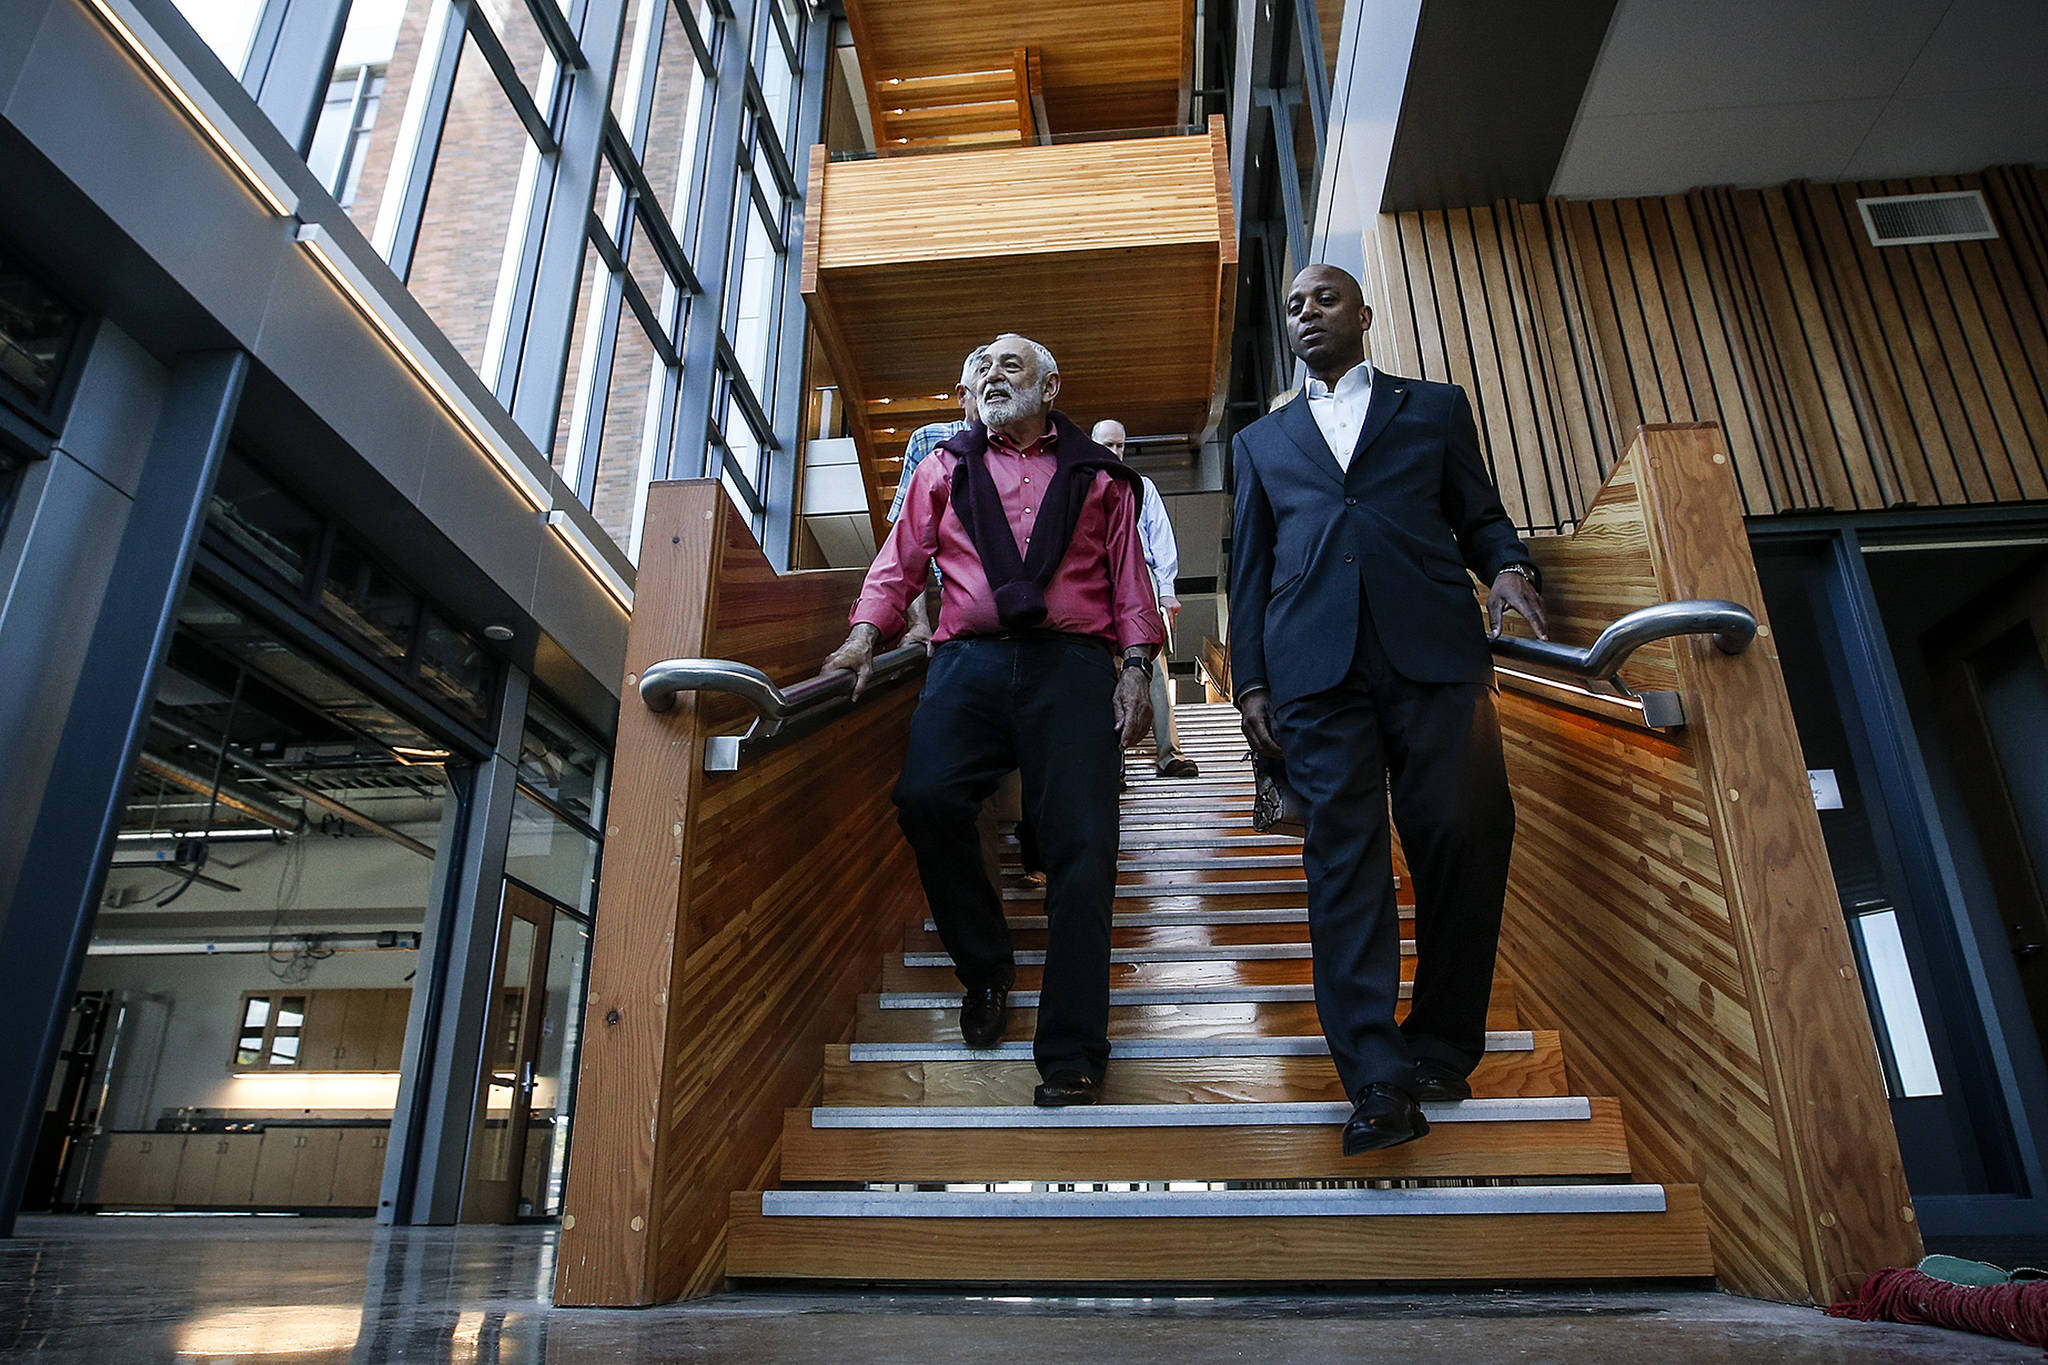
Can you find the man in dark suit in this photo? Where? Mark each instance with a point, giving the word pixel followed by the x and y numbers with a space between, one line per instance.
pixel 1358 654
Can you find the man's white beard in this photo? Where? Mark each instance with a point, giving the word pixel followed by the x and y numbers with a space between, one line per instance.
pixel 1000 412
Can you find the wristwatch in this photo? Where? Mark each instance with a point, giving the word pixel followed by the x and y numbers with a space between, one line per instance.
pixel 1526 571
pixel 1136 659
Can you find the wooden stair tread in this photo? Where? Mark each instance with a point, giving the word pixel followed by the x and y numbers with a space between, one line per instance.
pixel 1170 1071
pixel 1199 1141
pixel 1347 1238
pixel 1143 917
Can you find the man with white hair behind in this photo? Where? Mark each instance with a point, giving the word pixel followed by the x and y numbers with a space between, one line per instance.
pixel 1041 662
pixel 1162 557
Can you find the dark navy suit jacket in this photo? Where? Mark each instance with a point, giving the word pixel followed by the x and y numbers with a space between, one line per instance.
pixel 1416 510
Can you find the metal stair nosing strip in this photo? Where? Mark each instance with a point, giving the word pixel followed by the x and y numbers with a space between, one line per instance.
pixel 1367 1203
pixel 1228 994
pixel 1169 919
pixel 1127 1049
pixel 1268 888
pixel 1245 952
pixel 1200 1114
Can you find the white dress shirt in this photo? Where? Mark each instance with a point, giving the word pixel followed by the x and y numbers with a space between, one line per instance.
pixel 1162 554
pixel 1340 411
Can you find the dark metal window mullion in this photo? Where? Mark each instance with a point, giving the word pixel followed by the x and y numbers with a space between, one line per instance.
pixel 719 164
pixel 583 100
pixel 779 486
pixel 659 230
pixel 434 121
pixel 509 82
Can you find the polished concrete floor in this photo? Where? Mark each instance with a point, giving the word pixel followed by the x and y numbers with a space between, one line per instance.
pixel 124 1291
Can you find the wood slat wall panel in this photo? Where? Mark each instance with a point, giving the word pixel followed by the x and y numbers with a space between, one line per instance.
pixel 1671 913
pixel 1844 376
pixel 740 915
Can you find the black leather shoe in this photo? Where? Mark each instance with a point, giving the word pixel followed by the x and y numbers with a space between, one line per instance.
pixel 1180 767
pixel 1385 1116
pixel 1435 1081
pixel 1061 1091
pixel 983 1015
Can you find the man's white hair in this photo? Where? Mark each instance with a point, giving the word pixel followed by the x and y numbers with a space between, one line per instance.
pixel 970 365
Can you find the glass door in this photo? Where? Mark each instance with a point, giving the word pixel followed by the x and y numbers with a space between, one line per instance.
pixel 498 1139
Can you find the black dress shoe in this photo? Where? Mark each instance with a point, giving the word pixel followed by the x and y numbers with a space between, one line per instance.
pixel 1180 767
pixel 1385 1116
pixel 983 1014
pixel 1058 1092
pixel 1435 1081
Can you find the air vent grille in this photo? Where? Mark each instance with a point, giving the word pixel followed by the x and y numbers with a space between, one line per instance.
pixel 1912 219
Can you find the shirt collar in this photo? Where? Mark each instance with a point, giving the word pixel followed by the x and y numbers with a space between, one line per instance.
pixel 1041 446
pixel 1357 377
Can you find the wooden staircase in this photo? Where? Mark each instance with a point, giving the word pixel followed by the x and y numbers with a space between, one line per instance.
pixel 1214 1156
pixel 957 112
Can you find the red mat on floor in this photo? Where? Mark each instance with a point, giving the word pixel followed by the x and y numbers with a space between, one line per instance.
pixel 2017 1312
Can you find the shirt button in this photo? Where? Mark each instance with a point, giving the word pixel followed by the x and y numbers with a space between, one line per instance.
pixel 1351 502
pixel 1027 478
pixel 1350 558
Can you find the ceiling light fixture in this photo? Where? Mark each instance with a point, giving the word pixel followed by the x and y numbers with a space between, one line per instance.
pixel 498 633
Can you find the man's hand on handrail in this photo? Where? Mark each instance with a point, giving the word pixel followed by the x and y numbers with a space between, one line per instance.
pixel 856 656
pixel 1512 592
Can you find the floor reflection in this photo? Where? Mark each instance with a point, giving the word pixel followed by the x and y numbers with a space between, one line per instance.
pixel 116 1291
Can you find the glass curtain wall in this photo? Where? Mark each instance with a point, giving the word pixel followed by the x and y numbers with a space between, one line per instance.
pixel 651 339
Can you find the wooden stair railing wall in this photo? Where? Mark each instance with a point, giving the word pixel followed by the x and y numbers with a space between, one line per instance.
pixel 739 918
pixel 957 112
pixel 1672 914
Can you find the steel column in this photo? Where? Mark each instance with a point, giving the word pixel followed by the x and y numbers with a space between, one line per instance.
pixel 49 917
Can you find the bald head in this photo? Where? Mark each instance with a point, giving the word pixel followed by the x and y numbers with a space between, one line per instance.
pixel 1327 318
pixel 1110 435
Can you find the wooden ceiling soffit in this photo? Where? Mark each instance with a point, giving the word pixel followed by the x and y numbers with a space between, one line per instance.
pixel 1118 256
pixel 1104 67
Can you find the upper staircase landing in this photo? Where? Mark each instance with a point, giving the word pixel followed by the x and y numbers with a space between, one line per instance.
pixel 1119 256
pixel 1106 67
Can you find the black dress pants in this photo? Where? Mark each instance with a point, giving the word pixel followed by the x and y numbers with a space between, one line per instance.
pixel 1438 746
pixel 1040 705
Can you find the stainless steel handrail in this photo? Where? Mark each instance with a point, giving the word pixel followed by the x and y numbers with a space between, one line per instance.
pixel 774 707
pixel 1731 624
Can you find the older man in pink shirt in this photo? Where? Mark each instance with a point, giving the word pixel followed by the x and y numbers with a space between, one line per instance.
pixel 1041 662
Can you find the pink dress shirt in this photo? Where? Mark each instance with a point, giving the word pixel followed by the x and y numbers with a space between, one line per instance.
pixel 1101 588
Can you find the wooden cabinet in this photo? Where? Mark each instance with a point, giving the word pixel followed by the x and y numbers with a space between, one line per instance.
pixel 140 1170
pixel 337 1030
pixel 359 1168
pixel 279 1168
pixel 313 1177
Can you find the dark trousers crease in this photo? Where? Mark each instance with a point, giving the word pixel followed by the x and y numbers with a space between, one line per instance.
pixel 1438 746
pixel 1042 707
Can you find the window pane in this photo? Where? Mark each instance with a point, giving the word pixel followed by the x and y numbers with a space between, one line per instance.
pixel 753 325
pixel 386 35
pixel 643 26
pixel 741 442
pixel 778 84
pixel 681 95
pixel 263 520
pixel 226 25
pixel 369 603
pixel 648 272
pixel 562 763
pixel 632 427
pixel 341 139
pixel 257 1013
pixel 577 386
pixel 455 670
pixel 550 856
pixel 36 335
pixel 531 53
pixel 466 258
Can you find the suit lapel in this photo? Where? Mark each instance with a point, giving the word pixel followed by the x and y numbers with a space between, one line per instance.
pixel 1388 393
pixel 1300 426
